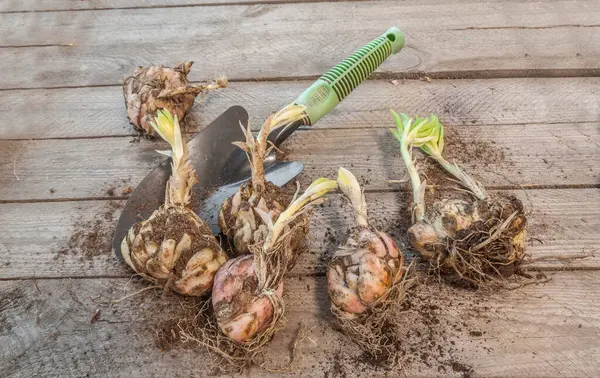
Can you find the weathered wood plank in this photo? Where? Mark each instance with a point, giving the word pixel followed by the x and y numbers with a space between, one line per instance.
pixel 65 239
pixel 72 5
pixel 501 156
pixel 102 47
pixel 540 330
pixel 87 112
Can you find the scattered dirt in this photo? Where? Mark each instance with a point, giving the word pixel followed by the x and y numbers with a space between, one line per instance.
pixel 466 152
pixel 470 148
pixel 136 138
pixel 10 301
pixel 336 370
pixel 439 315
pixel 433 318
pixel 91 238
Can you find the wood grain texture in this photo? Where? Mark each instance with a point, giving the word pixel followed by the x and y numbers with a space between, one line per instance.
pixel 68 159
pixel 91 112
pixel 500 156
pixel 73 239
pixel 542 330
pixel 272 41
pixel 74 5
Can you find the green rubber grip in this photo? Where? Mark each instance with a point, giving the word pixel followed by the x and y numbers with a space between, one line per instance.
pixel 331 88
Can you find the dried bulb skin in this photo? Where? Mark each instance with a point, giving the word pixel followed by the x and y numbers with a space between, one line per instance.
pixel 241 311
pixel 459 236
pixel 156 87
pixel 174 247
pixel 363 271
pixel 242 225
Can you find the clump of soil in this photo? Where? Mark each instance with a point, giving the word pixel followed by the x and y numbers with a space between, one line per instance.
pixel 167 334
pixel 119 188
pixel 91 238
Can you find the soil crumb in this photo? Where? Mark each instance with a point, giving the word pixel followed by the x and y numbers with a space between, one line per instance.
pixel 466 370
pixel 91 238
pixel 120 187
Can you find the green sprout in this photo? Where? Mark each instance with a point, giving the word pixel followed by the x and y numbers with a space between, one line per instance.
pixel 411 134
pixel 434 147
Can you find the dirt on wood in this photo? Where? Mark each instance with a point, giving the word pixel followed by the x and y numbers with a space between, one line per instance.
pixel 472 149
pixel 466 152
pixel 434 327
pixel 91 238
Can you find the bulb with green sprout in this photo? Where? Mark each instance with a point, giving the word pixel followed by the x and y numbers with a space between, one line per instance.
pixel 238 219
pixel 365 279
pixel 174 247
pixel 474 240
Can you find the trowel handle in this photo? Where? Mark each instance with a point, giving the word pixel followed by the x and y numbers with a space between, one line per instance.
pixel 331 88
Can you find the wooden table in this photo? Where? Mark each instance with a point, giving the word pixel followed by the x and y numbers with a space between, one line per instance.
pixel 517 81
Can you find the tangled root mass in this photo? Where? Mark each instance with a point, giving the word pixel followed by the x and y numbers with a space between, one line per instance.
pixel 473 242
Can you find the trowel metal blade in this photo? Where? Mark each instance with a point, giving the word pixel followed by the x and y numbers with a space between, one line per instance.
pixel 279 173
pixel 214 157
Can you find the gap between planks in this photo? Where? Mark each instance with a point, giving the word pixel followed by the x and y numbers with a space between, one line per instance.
pixel 67 113
pixel 190 134
pixel 367 190
pixel 538 73
pixel 433 45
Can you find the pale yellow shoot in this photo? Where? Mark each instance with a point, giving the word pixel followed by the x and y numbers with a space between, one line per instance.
pixel 317 182
pixel 291 113
pixel 349 185
pixel 309 197
pixel 168 128
pixel 183 176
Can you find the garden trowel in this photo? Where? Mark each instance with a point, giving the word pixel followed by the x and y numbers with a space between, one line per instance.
pixel 222 167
